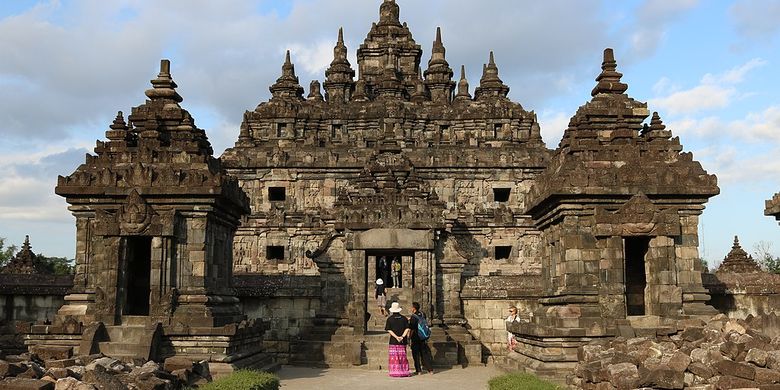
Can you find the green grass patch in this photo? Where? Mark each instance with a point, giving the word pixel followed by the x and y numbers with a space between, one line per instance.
pixel 520 381
pixel 244 380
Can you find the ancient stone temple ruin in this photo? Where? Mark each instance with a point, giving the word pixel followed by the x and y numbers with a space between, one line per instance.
pixel 155 218
pixel 388 170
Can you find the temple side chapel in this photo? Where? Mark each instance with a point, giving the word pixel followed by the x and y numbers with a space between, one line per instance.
pixel 155 218
pixel 273 249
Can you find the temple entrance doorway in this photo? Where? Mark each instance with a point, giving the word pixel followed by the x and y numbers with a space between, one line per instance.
pixel 138 260
pixel 635 249
pixel 396 270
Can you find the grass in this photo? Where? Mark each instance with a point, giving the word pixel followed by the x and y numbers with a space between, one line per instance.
pixel 244 380
pixel 520 381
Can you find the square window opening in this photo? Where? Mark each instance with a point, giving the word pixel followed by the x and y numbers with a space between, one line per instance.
pixel 280 130
pixel 501 194
pixel 274 252
pixel 335 131
pixel 277 194
pixel 503 252
pixel 496 130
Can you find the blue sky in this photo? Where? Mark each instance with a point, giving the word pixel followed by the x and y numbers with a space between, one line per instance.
pixel 708 67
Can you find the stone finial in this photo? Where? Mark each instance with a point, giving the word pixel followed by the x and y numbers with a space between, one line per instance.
pixel 419 89
pixel 286 85
pixel 463 86
pixel 390 13
pixel 438 51
pixel 738 261
pixel 609 79
pixel 490 84
pixel 118 129
pixel 314 92
pixel 656 129
pixel 338 77
pixel 164 88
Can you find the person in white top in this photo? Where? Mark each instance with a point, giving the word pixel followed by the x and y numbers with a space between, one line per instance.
pixel 510 338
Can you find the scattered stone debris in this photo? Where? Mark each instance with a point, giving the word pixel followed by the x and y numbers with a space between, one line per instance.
pixel 98 372
pixel 720 354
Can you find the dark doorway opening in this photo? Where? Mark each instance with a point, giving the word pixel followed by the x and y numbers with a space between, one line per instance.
pixel 9 308
pixel 635 249
pixel 138 275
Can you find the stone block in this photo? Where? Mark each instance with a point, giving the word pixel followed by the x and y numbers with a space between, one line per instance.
pixel 25 384
pixel 767 376
pixel 739 370
pixel 756 356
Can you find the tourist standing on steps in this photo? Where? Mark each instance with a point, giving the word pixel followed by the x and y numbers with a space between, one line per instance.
pixel 398 328
pixel 510 337
pixel 419 334
pixel 381 296
pixel 396 273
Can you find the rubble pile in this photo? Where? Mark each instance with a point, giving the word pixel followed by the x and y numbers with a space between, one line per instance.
pixel 720 354
pixel 98 372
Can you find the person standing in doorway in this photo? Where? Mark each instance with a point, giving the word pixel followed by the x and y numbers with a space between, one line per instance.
pixel 419 335
pixel 381 296
pixel 396 266
pixel 510 337
pixel 398 328
pixel 384 270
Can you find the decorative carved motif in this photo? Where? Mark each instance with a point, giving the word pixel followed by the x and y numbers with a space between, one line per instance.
pixel 135 215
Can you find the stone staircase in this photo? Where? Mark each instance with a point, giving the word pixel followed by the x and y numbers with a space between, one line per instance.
pixel 134 340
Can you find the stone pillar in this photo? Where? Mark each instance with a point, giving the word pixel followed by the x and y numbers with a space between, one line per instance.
pixel 407 271
pixel 423 281
pixel 689 269
pixel 663 297
pixel 356 289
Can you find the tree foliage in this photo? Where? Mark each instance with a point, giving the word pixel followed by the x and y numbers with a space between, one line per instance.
pixel 6 252
pixel 762 253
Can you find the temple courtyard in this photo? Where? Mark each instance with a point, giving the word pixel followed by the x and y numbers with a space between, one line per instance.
pixel 295 378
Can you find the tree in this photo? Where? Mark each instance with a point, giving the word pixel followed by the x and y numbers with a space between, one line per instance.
pixel 6 253
pixel 762 253
pixel 55 265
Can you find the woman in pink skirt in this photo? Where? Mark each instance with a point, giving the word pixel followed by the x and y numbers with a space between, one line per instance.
pixel 398 328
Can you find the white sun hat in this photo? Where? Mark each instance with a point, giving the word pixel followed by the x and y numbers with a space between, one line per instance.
pixel 380 282
pixel 395 308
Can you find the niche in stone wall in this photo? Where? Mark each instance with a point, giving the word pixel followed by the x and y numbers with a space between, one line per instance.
pixel 501 195
pixel 277 194
pixel 274 252
pixel 502 252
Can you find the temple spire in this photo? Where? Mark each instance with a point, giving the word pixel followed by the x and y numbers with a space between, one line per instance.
pixel 338 77
pixel 609 79
pixel 490 84
pixel 286 85
pixel 463 86
pixel 163 87
pixel 438 76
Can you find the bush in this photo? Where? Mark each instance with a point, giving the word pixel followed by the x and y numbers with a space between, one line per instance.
pixel 244 380
pixel 520 381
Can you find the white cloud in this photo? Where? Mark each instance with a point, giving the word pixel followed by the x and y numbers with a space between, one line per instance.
pixel 756 19
pixel 553 124
pixel 714 91
pixel 759 126
pixel 652 20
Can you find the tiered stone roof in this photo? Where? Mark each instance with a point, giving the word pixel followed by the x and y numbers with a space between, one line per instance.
pixel 738 261
pixel 24 262
pixel 606 150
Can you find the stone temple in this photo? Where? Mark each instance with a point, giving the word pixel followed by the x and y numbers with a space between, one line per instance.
pixel 272 250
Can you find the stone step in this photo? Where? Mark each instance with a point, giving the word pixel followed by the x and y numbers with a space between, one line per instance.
pixel 119 349
pixel 135 320
pixel 125 333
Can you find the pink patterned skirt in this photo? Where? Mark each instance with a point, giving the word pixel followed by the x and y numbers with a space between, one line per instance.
pixel 397 362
